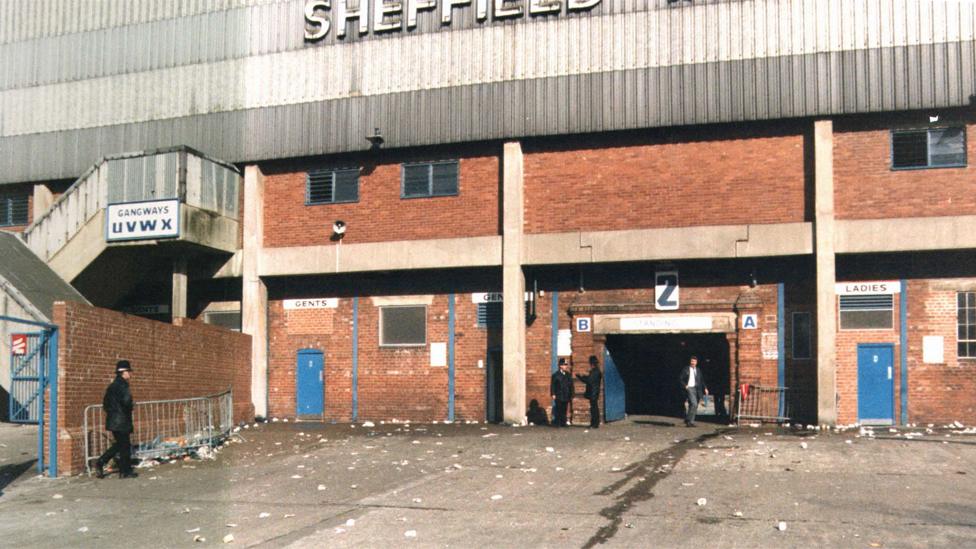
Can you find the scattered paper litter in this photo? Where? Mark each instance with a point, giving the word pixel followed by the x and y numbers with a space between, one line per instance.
pixel 228 538
pixel 351 522
pixel 417 500
pixel 198 538
pixel 550 449
pixel 496 497
pixel 803 445
pixel 57 496
pixel 193 530
pixel 701 502
pixel 781 526
pixel 264 515
pixel 321 487
pixel 83 529
pixel 369 424
pixel 410 534
pixel 339 530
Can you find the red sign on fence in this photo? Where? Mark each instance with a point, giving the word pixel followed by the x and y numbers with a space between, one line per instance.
pixel 18 344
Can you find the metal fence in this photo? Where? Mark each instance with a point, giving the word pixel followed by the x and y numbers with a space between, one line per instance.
pixel 755 402
pixel 164 427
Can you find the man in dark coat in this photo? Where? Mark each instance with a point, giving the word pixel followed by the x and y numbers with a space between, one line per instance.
pixel 117 406
pixel 561 389
pixel 592 381
pixel 693 383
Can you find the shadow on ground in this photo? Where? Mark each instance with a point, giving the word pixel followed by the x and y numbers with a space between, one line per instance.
pixel 10 473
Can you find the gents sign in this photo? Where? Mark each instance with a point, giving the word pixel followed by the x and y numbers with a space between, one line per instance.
pixel 141 220
pixel 316 303
pixel 400 15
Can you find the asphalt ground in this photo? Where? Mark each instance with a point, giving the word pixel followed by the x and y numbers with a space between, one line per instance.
pixel 643 482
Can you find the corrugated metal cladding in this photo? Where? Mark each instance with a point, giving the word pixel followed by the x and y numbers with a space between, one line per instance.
pixel 235 78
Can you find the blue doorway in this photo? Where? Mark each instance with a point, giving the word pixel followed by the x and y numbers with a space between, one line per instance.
pixel 875 383
pixel 614 392
pixel 310 382
pixel 493 387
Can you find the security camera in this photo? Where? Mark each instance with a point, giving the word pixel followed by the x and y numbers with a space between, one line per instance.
pixel 339 228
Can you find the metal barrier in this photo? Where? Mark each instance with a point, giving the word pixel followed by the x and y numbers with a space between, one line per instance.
pixel 755 402
pixel 164 427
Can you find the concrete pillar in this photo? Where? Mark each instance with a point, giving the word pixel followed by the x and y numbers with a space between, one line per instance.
pixel 513 286
pixel 254 300
pixel 42 200
pixel 180 287
pixel 823 144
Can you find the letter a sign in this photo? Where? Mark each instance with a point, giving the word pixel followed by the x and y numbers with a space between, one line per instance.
pixel 666 290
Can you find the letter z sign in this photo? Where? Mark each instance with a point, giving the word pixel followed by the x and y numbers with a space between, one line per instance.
pixel 666 290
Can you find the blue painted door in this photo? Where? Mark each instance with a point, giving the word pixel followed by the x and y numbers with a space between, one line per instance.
pixel 493 387
pixel 614 398
pixel 311 387
pixel 875 383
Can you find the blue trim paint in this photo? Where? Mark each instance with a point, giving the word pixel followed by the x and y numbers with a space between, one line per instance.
pixel 450 357
pixel 52 466
pixel 554 359
pixel 355 358
pixel 781 341
pixel 903 351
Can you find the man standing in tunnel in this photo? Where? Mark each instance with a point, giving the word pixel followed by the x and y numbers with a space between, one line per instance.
pixel 694 385
pixel 561 390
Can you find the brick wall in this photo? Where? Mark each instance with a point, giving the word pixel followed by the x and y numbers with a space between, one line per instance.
pixel 186 359
pixel 865 186
pixel 938 393
pixel 381 214
pixel 682 180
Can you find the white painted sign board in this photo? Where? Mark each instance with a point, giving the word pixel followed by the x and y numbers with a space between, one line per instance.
pixel 142 220
pixel 666 290
pixel 933 349
pixel 564 343
pixel 665 322
pixel 316 303
pixel 584 324
pixel 438 354
pixel 870 287
pixel 750 321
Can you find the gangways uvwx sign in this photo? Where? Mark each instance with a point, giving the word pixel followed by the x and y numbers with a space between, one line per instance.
pixel 142 220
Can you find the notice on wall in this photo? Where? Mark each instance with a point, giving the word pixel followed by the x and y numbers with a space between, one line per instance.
pixel 142 220
pixel 750 321
pixel 438 354
pixel 870 287
pixel 564 343
pixel 18 344
pixel 770 346
pixel 665 323
pixel 584 324
pixel 319 303
pixel 933 349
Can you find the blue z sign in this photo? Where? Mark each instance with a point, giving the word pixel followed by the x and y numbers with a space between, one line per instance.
pixel 666 290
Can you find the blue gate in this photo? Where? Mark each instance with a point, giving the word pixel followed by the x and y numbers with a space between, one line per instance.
pixel 311 383
pixel 34 370
pixel 28 364
pixel 614 397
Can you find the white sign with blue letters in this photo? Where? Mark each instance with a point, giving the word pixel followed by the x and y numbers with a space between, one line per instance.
pixel 750 321
pixel 142 220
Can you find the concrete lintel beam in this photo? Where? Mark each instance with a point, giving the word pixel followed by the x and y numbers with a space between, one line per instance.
pixel 482 251
pixel 905 234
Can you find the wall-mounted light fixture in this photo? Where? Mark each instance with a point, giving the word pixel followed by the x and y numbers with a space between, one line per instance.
pixel 338 229
pixel 376 139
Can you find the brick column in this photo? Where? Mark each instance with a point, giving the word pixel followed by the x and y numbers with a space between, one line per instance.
pixel 254 299
pixel 823 145
pixel 513 286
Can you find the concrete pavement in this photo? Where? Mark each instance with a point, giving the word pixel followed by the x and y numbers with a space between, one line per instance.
pixel 632 484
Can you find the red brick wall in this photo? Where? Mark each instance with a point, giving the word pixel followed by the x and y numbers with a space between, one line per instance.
pixel 393 382
pixel 938 393
pixel 686 181
pixel 381 215
pixel 865 186
pixel 183 360
pixel 847 342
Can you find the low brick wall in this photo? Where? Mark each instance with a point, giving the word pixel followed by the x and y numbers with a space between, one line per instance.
pixel 170 361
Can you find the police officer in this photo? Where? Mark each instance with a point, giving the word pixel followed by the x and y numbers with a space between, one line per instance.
pixel 561 390
pixel 117 406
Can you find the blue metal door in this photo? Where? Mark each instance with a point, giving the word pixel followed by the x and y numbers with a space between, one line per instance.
pixel 310 380
pixel 875 383
pixel 493 387
pixel 28 363
pixel 614 397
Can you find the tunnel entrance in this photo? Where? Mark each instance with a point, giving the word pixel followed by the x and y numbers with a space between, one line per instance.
pixel 650 365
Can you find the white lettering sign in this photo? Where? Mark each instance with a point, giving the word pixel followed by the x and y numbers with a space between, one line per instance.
pixel 320 303
pixel 663 323
pixel 401 15
pixel 876 287
pixel 487 297
pixel 142 220
pixel 750 321
pixel 583 324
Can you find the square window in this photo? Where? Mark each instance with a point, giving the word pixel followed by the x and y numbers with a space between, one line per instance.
pixel 866 312
pixel 13 210
pixel 403 326
pixel 928 148
pixel 331 186
pixel 427 179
